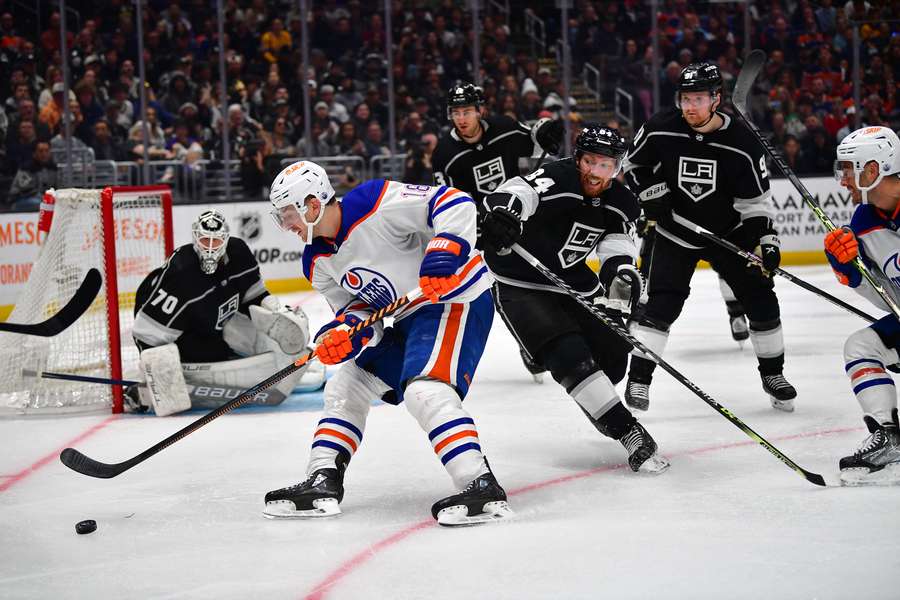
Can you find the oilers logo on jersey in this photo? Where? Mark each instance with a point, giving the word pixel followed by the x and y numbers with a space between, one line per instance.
pixel 891 268
pixel 489 175
pixel 370 286
pixel 581 240
pixel 697 176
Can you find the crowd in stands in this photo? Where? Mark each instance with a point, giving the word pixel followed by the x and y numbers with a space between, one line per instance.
pixel 804 96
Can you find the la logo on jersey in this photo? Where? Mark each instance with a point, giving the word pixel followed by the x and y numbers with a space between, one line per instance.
pixel 697 177
pixel 489 175
pixel 370 286
pixel 581 241
pixel 226 310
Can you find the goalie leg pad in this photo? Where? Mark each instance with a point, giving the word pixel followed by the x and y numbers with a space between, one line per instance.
pixel 166 390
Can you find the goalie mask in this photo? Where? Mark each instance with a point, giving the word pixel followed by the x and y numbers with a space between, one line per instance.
pixel 291 188
pixel 869 144
pixel 210 234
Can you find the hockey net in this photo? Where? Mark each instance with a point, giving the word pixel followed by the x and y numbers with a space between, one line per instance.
pixel 124 232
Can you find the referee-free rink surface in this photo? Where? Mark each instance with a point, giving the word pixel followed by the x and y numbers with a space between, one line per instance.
pixel 728 520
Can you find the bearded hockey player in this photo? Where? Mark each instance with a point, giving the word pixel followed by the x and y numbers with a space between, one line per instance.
pixel 481 152
pixel 383 239
pixel 868 164
pixel 695 165
pixel 560 213
pixel 205 318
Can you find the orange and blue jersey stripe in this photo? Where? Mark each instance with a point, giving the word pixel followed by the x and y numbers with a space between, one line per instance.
pixel 339 435
pixel 865 373
pixel 452 438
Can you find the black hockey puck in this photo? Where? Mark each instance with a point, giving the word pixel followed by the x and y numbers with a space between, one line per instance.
pixel 88 526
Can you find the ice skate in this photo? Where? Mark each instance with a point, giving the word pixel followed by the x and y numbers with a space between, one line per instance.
pixel 482 501
pixel 781 393
pixel 643 455
pixel 877 461
pixel 536 370
pixel 319 496
pixel 740 329
pixel 637 395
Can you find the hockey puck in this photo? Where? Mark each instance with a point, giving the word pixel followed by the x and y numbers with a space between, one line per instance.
pixel 88 526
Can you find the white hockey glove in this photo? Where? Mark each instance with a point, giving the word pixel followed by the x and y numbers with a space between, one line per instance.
pixel 623 293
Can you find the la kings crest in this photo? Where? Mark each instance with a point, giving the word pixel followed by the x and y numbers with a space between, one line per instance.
pixel 697 176
pixel 489 175
pixel 582 239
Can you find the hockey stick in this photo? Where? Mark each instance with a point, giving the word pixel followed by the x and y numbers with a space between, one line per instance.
pixel 77 305
pixel 617 328
pixel 778 271
pixel 208 395
pixel 752 66
pixel 85 465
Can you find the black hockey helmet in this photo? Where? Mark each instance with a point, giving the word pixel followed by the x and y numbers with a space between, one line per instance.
pixel 464 94
pixel 598 139
pixel 698 77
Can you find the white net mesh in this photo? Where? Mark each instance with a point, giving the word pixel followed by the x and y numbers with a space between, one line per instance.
pixel 76 243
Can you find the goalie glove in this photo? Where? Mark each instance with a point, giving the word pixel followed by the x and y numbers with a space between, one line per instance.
pixel 623 293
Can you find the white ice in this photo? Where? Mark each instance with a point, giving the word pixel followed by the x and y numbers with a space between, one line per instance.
pixel 728 520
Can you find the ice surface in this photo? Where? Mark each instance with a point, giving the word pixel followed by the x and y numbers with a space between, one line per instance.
pixel 728 520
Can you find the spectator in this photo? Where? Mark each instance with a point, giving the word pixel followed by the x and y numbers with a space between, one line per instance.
pixel 51 115
pixel 374 141
pixel 178 93
pixel 20 147
pixel 27 112
pixel 347 142
pixel 104 145
pixel 336 110
pixel 156 146
pixel 34 178
pixel 87 101
pixel 417 168
pixel 793 155
pixel 275 41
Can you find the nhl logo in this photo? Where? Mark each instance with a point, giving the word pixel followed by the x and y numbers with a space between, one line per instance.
pixel 697 177
pixel 249 226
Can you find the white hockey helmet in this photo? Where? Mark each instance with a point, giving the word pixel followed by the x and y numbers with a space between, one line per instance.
pixel 210 235
pixel 290 190
pixel 879 144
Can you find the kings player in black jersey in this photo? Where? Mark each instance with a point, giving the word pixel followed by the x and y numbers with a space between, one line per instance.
pixel 481 152
pixel 561 213
pixel 694 165
pixel 207 310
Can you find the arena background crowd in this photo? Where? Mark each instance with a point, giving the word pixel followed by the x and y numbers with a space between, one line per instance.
pixel 803 98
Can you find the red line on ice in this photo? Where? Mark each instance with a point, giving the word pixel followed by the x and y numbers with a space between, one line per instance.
pixel 44 461
pixel 360 559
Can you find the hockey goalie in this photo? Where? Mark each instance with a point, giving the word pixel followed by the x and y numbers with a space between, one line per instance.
pixel 207 328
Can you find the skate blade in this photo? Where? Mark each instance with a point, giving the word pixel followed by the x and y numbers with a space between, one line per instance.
pixel 857 477
pixel 285 509
pixel 654 465
pixel 783 405
pixel 458 516
pixel 538 377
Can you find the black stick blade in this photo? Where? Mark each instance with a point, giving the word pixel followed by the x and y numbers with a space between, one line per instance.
pixel 815 478
pixel 77 305
pixel 86 465
pixel 749 72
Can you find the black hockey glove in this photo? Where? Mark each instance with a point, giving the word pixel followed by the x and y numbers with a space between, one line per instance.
pixel 500 229
pixel 549 136
pixel 623 292
pixel 656 203
pixel 769 249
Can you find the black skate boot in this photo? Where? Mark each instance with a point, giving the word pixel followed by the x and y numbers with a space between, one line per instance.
pixel 319 496
pixel 740 329
pixel 483 500
pixel 637 394
pixel 877 461
pixel 781 393
pixel 132 400
pixel 537 371
pixel 643 456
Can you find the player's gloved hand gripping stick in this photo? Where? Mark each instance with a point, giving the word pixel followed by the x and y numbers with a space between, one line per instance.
pixel 85 465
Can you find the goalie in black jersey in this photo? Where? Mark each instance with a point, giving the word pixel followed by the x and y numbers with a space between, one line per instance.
pixel 561 213
pixel 693 165
pixel 481 152
pixel 204 319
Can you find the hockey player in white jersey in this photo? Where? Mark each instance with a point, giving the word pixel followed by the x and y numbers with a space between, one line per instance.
pixel 868 164
pixel 383 239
